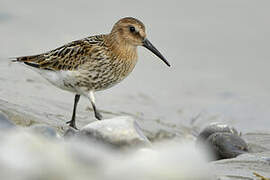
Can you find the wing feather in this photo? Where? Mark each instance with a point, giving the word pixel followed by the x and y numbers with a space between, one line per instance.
pixel 66 57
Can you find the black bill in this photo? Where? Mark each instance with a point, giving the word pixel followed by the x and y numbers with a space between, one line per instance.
pixel 151 47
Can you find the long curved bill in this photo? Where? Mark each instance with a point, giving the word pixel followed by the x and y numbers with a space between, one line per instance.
pixel 151 47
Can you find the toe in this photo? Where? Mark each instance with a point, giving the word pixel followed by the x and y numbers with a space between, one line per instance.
pixel 98 116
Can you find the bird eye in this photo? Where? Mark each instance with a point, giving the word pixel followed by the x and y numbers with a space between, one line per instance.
pixel 132 29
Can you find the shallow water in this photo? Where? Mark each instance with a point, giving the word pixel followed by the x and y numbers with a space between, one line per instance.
pixel 218 51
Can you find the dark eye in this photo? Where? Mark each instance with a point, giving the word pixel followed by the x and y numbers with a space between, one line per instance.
pixel 132 29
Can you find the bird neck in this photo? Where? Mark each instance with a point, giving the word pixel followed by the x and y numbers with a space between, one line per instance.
pixel 120 48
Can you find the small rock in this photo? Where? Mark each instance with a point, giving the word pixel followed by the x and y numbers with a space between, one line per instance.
pixel 5 123
pixel 223 141
pixel 214 128
pixel 227 145
pixel 119 132
pixel 44 130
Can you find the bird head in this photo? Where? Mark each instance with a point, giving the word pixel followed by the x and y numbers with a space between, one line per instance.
pixel 131 32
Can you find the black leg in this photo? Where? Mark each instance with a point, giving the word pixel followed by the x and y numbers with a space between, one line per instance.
pixel 97 113
pixel 72 121
pixel 92 100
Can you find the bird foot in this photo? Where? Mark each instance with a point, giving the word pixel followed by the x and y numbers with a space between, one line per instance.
pixel 98 115
pixel 72 124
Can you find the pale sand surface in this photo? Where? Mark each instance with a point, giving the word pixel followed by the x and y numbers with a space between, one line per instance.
pixel 219 53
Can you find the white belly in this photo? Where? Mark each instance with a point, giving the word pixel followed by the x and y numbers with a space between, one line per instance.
pixel 65 80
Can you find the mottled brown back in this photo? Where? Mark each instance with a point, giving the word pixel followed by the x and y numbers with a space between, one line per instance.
pixel 67 57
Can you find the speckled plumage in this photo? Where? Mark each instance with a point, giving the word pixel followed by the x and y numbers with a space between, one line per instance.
pixel 93 63
pixel 95 66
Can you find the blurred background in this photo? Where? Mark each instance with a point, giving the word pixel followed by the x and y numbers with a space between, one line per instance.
pixel 218 51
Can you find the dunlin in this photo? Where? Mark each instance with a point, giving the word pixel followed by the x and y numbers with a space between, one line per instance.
pixel 94 63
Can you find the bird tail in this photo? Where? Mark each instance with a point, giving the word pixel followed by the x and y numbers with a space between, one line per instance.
pixel 28 60
pixel 33 58
pixel 13 59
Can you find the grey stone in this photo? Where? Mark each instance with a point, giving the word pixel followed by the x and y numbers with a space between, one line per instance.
pixel 5 123
pixel 216 128
pixel 243 166
pixel 222 141
pixel 119 132
pixel 227 145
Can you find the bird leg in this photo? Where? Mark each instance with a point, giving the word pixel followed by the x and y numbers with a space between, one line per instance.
pixel 71 123
pixel 92 100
